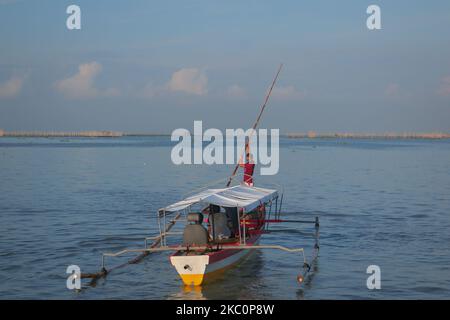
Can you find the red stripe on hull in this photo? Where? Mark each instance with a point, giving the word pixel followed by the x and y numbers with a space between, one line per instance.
pixel 223 254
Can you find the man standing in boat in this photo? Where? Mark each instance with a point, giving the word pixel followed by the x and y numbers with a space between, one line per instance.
pixel 249 166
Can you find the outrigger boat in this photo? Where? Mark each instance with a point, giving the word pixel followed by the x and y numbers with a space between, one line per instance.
pixel 236 221
pixel 225 229
pixel 223 226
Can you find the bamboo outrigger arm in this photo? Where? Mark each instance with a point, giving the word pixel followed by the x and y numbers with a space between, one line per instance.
pixel 300 278
pixel 202 248
pixel 156 241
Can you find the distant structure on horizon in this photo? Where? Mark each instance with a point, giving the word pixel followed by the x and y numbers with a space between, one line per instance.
pixel 308 135
pixel 346 135
pixel 60 134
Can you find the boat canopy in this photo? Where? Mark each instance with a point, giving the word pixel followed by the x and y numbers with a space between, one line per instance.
pixel 240 196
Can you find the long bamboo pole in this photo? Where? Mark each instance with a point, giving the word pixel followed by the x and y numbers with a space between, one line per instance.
pixel 255 125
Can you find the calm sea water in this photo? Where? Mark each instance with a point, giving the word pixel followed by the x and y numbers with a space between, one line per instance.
pixel 381 202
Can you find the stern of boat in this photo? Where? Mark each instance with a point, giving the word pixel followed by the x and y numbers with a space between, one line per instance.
pixel 191 269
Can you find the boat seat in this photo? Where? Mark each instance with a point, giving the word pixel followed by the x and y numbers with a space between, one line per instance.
pixel 194 233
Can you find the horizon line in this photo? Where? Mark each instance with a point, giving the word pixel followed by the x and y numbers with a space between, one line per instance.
pixel 298 135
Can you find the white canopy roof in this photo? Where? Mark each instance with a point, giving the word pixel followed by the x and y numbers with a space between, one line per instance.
pixel 238 196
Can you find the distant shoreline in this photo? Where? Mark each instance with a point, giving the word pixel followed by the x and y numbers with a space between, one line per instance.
pixel 68 134
pixel 308 135
pixel 313 135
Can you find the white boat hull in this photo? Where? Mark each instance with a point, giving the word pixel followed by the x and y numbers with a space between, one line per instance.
pixel 198 269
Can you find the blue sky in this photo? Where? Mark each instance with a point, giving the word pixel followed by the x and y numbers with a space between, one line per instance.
pixel 154 66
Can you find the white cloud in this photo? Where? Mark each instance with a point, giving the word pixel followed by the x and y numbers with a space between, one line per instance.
pixel 189 80
pixel 236 91
pixel 81 85
pixel 287 93
pixel 12 87
pixel 444 89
